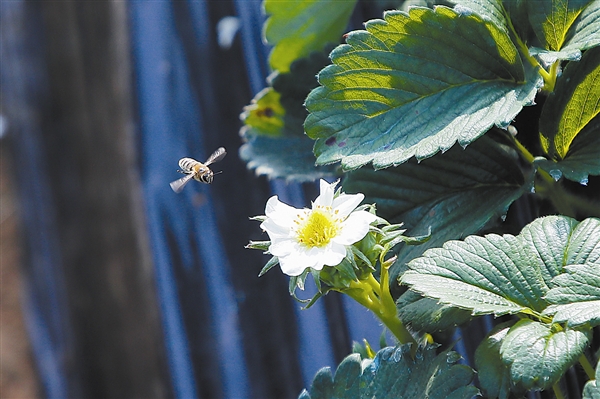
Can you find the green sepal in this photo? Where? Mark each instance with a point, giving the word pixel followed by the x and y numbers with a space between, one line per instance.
pixel 262 245
pixel 269 265
pixel 392 239
pixel 258 218
pixel 363 258
pixel 341 276
pixel 297 282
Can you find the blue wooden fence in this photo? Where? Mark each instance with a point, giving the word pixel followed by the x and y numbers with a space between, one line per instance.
pixel 226 333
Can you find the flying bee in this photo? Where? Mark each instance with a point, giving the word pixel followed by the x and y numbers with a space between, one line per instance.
pixel 193 169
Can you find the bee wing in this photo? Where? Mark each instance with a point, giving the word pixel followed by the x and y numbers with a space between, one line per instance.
pixel 216 156
pixel 179 184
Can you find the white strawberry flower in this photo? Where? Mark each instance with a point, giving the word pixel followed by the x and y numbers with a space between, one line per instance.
pixel 313 238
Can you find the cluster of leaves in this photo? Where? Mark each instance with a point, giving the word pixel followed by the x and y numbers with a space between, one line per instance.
pixel 385 376
pixel 548 275
pixel 415 112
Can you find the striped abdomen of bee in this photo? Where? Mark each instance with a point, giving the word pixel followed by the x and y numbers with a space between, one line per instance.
pixel 199 171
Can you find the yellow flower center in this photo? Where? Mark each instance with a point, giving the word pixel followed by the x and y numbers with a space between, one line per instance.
pixel 318 227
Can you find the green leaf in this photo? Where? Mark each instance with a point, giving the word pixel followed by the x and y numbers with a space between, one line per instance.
pixel 463 295
pixel 576 314
pixel 455 193
pixel 394 374
pixel 550 243
pixel 426 315
pixel 289 157
pixel 415 84
pixel 591 390
pixel 492 10
pixel 551 20
pixel 549 57
pixel 582 159
pixel 297 27
pixel 275 141
pixel 585 31
pixel 570 121
pixel 583 246
pixel 576 295
pixel 517 12
pixel 574 103
pixel 264 115
pixel 538 356
pixel 494 375
pixel 501 274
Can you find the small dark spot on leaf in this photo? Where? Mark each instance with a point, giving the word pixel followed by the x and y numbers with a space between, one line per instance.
pixel 342 144
pixel 267 112
pixel 330 140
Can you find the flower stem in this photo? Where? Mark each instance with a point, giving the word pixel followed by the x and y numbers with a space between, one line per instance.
pixel 362 294
pixel 374 284
pixel 376 297
pixel 389 313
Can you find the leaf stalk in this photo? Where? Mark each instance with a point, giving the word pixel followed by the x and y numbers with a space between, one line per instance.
pixel 587 367
pixel 557 391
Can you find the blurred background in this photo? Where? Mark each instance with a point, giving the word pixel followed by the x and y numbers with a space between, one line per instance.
pixel 113 286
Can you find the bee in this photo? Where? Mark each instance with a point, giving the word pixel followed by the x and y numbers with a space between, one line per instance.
pixel 197 170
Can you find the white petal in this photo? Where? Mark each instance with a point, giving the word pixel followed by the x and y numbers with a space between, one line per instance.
pixel 314 257
pixel 326 196
pixel 275 230
pixel 281 213
pixel 272 204
pixel 333 254
pixel 296 262
pixel 280 218
pixel 291 265
pixel 355 227
pixel 346 203
pixel 282 247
